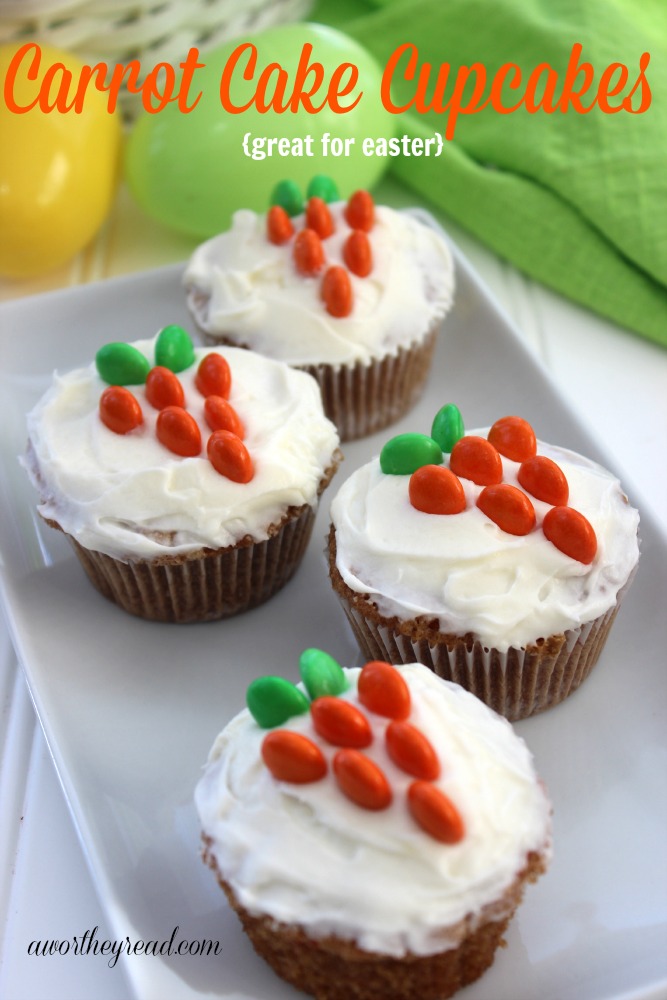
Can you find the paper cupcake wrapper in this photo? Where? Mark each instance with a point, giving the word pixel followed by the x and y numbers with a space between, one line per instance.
pixel 205 585
pixel 332 968
pixel 516 684
pixel 361 399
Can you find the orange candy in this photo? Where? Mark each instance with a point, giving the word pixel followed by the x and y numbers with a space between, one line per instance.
pixel 337 292
pixel 476 459
pixel 163 388
pixel 361 780
pixel 318 217
pixel 514 438
pixel 229 456
pixel 382 689
pixel 571 532
pixel 357 253
pixel 508 507
pixel 120 410
pixel 220 415
pixel 308 253
pixel 293 757
pixel 279 226
pixel 178 431
pixel 360 211
pixel 340 723
pixel 411 751
pixel 435 812
pixel 544 480
pixel 434 489
pixel 214 377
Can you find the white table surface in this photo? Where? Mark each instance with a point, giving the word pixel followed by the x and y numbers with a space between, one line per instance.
pixel 613 380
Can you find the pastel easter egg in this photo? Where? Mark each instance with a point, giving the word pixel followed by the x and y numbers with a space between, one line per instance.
pixel 190 170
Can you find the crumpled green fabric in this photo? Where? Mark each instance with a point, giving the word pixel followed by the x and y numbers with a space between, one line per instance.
pixel 576 201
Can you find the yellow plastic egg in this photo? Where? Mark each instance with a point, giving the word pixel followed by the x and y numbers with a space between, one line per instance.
pixel 58 170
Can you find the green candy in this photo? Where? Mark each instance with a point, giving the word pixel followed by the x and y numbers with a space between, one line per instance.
pixel 121 364
pixel 288 195
pixel 174 348
pixel 447 427
pixel 324 187
pixel 273 700
pixel 405 453
pixel 321 674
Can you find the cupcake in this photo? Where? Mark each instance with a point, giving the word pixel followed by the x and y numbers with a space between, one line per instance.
pixel 350 292
pixel 186 479
pixel 498 560
pixel 373 829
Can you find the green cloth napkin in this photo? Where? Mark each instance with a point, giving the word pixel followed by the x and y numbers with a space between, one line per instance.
pixel 577 201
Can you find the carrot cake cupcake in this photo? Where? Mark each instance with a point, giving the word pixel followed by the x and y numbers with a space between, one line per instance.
pixel 352 292
pixel 497 559
pixel 373 828
pixel 186 479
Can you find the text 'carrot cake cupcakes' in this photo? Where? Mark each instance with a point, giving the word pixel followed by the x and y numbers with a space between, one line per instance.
pixel 351 292
pixel 498 560
pixel 374 829
pixel 186 479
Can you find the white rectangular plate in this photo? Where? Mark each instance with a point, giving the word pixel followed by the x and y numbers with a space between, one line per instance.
pixel 130 708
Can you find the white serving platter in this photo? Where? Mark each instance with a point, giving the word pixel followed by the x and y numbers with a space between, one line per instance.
pixel 130 708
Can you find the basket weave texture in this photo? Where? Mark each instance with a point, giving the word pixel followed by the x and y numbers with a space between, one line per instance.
pixel 115 31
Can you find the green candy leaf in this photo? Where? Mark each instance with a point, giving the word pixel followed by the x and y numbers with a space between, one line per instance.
pixel 324 187
pixel 405 453
pixel 321 674
pixel 288 195
pixel 447 427
pixel 121 364
pixel 273 700
pixel 174 348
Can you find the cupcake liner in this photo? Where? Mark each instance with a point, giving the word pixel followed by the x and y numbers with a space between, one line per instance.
pixel 331 968
pixel 517 683
pixel 207 584
pixel 362 398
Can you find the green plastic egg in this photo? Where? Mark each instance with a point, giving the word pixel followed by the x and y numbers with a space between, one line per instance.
pixel 190 170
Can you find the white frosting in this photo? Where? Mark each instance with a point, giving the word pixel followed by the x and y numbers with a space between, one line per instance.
pixel 463 570
pixel 116 493
pixel 305 854
pixel 255 296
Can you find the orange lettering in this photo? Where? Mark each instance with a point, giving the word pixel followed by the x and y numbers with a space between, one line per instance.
pixel 228 72
pixel 546 101
pixel 497 87
pixel 283 100
pixel 388 74
pixel 189 67
pixel 606 91
pixel 12 73
pixel 645 102
pixel 302 72
pixel 455 106
pixel 573 70
pixel 335 90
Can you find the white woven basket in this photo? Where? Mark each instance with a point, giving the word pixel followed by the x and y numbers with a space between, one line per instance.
pixel 119 30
